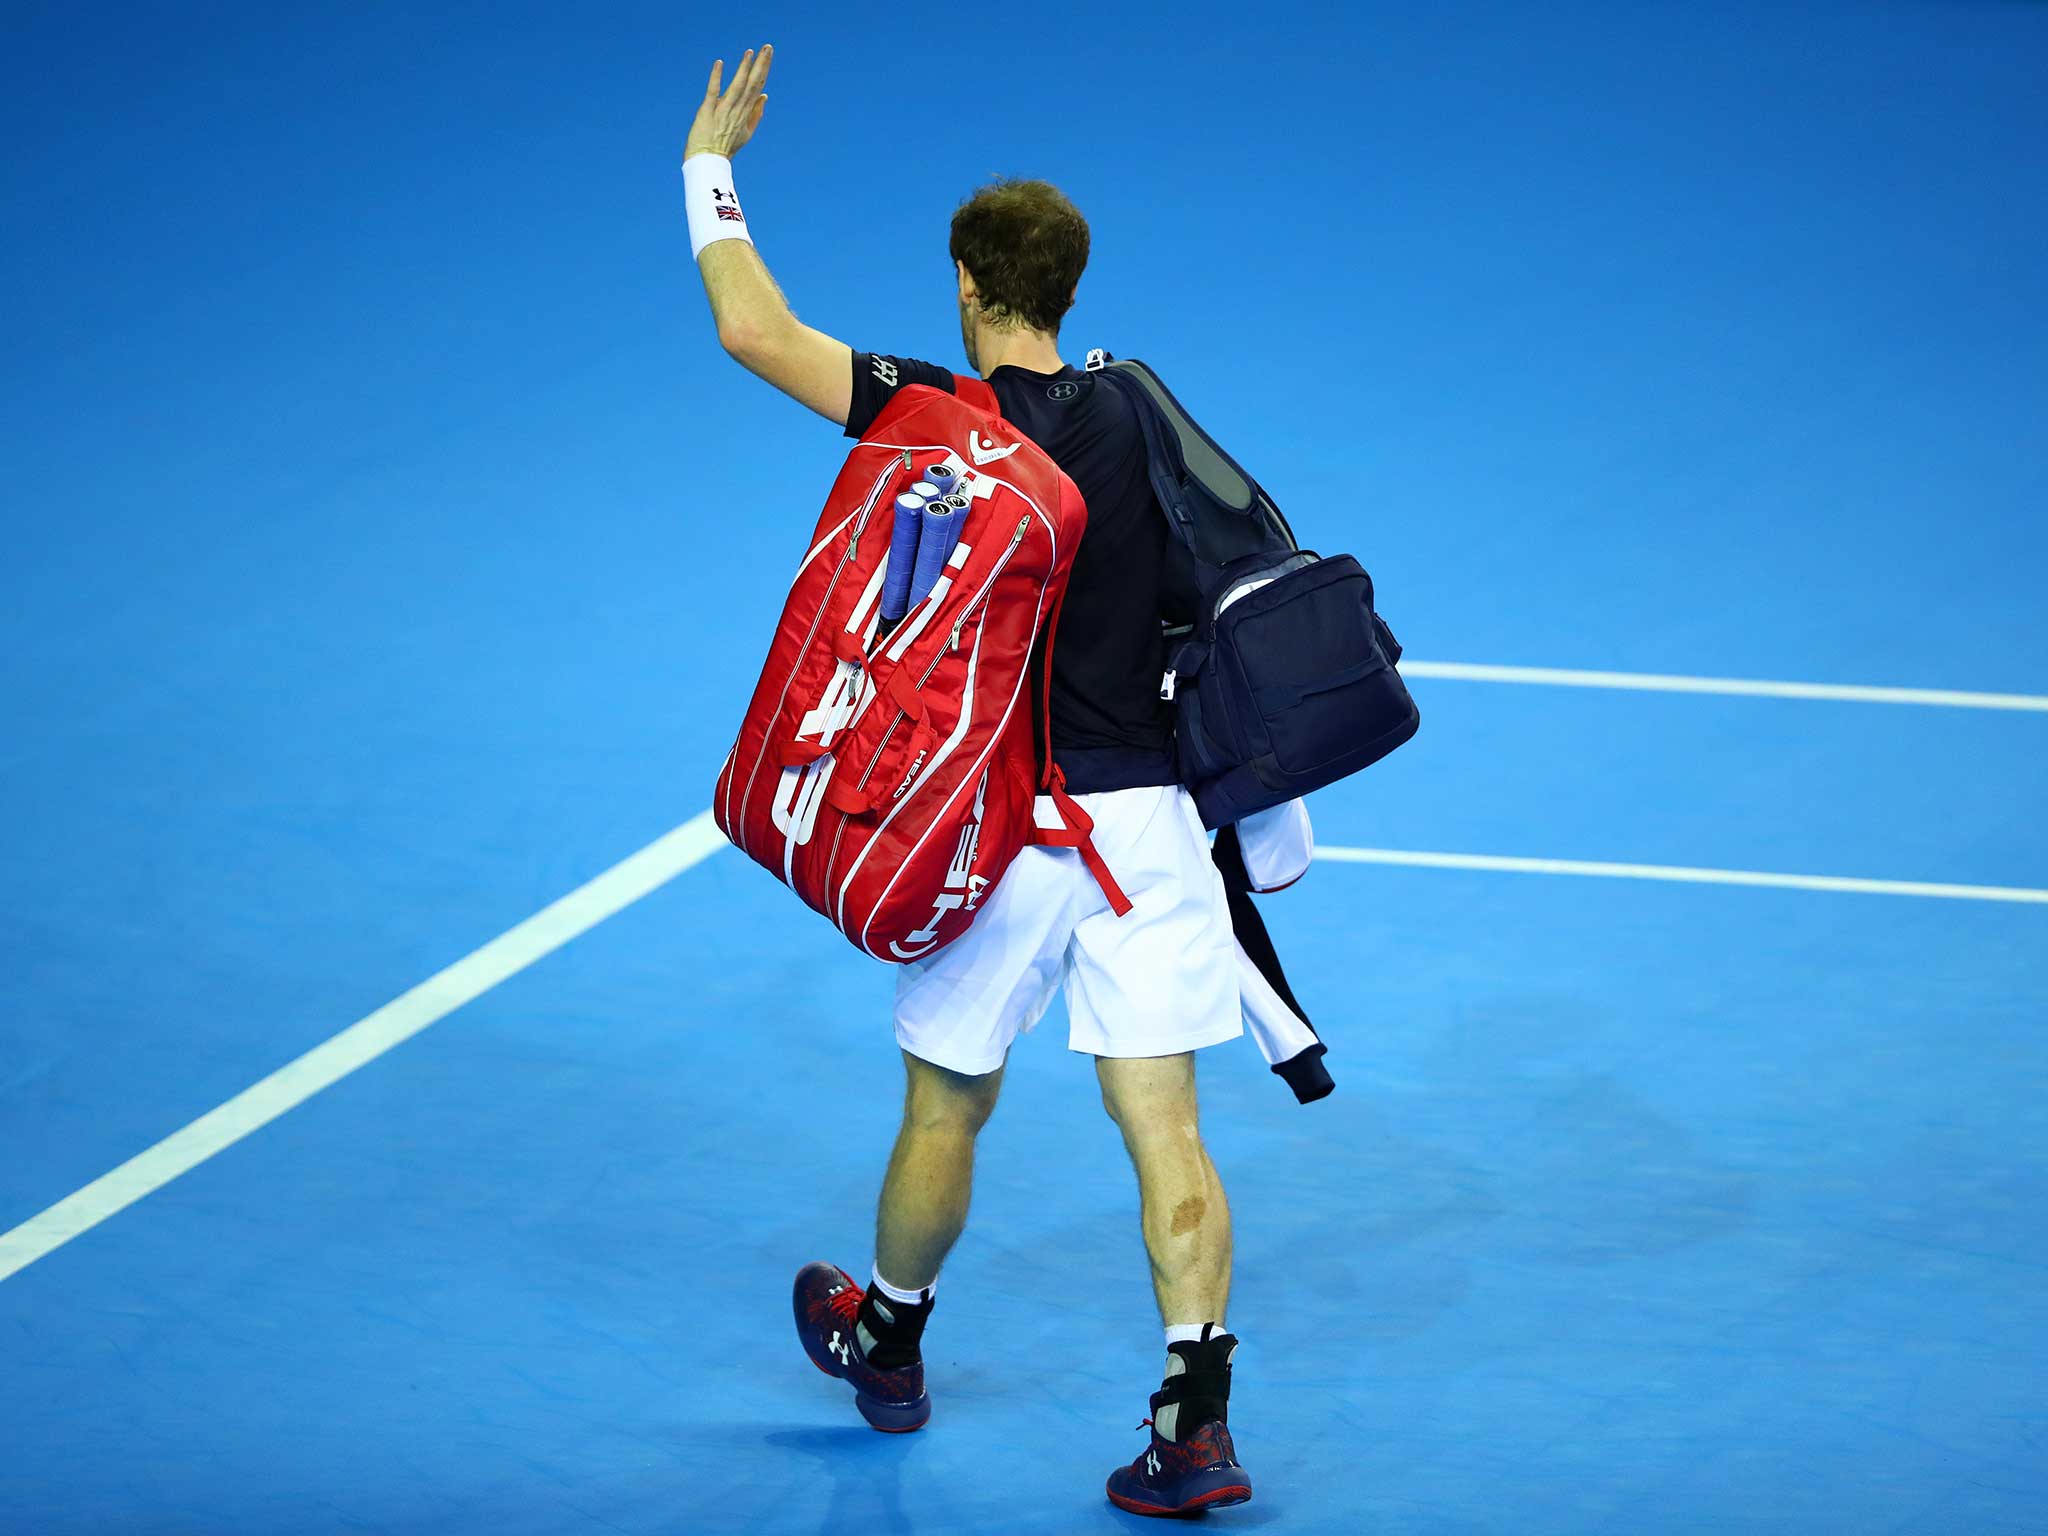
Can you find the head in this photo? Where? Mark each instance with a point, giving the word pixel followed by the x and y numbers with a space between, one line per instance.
pixel 1018 251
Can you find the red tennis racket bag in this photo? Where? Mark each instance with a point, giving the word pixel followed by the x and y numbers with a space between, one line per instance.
pixel 889 782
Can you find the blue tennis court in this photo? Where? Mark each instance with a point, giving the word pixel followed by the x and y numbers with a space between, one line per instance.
pixel 390 554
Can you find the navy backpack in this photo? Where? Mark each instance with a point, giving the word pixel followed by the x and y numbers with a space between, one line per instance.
pixel 1285 681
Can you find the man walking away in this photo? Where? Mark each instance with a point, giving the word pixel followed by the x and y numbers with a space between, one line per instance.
pixel 1144 991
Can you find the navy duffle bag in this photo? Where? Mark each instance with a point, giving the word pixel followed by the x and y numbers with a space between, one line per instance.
pixel 1286 679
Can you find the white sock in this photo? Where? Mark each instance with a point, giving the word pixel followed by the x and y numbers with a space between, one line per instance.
pixel 897 1293
pixel 1190 1333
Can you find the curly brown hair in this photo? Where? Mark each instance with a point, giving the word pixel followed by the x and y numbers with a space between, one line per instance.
pixel 1025 246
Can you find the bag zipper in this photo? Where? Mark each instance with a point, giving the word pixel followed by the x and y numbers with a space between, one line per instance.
pixel 952 644
pixel 853 544
pixel 967 613
pixel 852 547
pixel 880 747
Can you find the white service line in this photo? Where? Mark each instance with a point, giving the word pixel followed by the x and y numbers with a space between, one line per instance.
pixel 1499 863
pixel 1659 682
pixel 397 1021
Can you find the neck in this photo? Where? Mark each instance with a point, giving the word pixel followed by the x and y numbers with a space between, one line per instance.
pixel 1020 348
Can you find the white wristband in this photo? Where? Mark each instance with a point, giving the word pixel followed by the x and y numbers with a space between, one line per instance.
pixel 714 206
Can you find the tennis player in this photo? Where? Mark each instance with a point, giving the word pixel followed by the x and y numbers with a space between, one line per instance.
pixel 1145 991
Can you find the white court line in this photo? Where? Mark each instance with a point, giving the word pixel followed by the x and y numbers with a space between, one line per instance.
pixel 363 1042
pixel 1659 682
pixel 1680 873
pixel 633 877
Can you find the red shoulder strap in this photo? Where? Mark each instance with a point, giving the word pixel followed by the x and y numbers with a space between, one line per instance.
pixel 978 393
pixel 1078 829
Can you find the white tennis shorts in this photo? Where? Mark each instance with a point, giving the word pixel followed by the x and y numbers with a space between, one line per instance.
pixel 1157 981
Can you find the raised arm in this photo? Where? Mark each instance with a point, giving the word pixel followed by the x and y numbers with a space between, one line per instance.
pixel 755 323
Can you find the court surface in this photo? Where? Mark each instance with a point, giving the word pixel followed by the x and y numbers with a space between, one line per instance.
pixel 391 551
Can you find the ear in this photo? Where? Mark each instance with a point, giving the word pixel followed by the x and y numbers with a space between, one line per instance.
pixel 966 282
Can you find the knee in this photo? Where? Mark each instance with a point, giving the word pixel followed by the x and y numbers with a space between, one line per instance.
pixel 966 1113
pixel 1149 1100
pixel 1156 1134
pixel 941 1100
pixel 1113 1105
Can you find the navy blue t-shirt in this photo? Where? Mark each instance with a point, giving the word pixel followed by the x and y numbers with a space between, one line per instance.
pixel 1110 728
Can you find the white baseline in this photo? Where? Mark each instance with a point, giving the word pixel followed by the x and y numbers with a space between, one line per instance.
pixel 1739 687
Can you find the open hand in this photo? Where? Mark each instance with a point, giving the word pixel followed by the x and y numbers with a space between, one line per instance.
pixel 725 122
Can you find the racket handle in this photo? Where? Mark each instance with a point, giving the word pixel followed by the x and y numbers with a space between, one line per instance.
pixel 942 520
pixel 902 568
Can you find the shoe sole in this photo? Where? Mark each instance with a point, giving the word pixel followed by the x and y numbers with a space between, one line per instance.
pixel 1215 1498
pixel 893 1418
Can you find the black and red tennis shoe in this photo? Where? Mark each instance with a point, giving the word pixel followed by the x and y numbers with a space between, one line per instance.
pixel 841 1328
pixel 1193 1465
pixel 839 1341
pixel 1179 1477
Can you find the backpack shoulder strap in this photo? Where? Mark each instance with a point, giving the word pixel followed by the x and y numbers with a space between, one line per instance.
pixel 1213 505
pixel 978 393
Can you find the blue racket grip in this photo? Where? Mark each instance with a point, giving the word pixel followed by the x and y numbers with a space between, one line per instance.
pixel 934 546
pixel 942 478
pixel 903 537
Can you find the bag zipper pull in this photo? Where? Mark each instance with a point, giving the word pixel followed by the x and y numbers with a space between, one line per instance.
pixel 853 544
pixel 960 623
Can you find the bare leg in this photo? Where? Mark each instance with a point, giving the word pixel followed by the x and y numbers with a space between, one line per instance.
pixel 1185 1217
pixel 931 1172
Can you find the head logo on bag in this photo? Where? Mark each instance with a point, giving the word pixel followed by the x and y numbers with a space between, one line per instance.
pixel 962 890
pixel 984 449
pixel 910 774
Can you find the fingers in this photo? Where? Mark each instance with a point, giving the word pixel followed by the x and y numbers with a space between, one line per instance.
pixel 752 74
pixel 744 100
